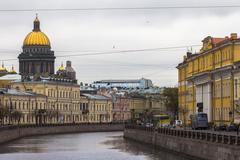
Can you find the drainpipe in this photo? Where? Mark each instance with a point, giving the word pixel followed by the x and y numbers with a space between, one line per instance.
pixel 232 82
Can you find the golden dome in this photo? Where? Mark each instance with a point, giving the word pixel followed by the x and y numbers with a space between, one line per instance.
pixel 36 37
pixel 2 68
pixel 13 70
pixel 61 68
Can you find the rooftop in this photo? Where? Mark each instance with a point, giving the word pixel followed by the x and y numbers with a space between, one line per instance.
pixel 95 96
pixel 11 77
pixel 120 80
pixel 17 92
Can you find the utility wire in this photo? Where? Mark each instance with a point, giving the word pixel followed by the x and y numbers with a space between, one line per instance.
pixel 113 52
pixel 124 51
pixel 118 8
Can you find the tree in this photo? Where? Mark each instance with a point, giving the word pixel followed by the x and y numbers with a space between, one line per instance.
pixel 16 115
pixel 4 112
pixel 51 114
pixel 171 100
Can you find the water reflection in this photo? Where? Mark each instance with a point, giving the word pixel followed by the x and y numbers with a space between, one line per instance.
pixel 135 148
pixel 87 146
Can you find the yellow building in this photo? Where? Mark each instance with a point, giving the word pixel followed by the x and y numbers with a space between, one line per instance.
pixel 146 104
pixel 51 102
pixel 28 104
pixel 137 106
pixel 63 97
pixel 209 81
pixel 96 108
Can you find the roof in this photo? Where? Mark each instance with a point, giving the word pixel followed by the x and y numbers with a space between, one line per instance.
pixel 88 88
pixel 17 92
pixel 95 96
pixel 217 40
pixel 11 77
pixel 50 82
pixel 120 81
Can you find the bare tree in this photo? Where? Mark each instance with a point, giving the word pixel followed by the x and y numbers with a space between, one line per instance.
pixel 16 115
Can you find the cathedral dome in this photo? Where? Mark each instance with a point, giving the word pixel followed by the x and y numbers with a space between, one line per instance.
pixel 36 37
pixel 61 68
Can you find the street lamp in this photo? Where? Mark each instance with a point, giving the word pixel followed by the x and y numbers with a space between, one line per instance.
pixel 231 116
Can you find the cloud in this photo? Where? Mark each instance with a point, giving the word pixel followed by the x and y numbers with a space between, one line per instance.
pixel 99 31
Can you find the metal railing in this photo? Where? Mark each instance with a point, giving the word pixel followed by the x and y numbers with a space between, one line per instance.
pixel 209 136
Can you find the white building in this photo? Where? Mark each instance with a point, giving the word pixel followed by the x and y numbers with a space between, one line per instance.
pixel 134 83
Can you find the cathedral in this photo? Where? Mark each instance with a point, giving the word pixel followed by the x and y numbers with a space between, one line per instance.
pixel 37 56
pixel 37 59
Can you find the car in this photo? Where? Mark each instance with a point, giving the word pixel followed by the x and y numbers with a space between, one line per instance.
pixel 148 125
pixel 232 127
pixel 220 127
pixel 177 124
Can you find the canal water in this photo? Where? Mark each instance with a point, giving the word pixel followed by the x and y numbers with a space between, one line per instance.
pixel 82 146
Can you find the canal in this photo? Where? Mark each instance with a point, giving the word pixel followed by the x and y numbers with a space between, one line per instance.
pixel 82 146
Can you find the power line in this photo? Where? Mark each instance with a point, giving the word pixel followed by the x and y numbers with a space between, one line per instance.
pixel 118 8
pixel 126 51
pixel 114 52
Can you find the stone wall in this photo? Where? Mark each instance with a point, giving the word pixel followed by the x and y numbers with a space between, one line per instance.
pixel 191 147
pixel 13 133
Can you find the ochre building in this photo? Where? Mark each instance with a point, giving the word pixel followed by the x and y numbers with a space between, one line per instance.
pixel 98 108
pixel 61 96
pixel 209 81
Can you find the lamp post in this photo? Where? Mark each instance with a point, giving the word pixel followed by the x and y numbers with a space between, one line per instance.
pixel 231 116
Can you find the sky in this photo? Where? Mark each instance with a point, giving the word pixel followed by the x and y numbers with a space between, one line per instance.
pixel 99 31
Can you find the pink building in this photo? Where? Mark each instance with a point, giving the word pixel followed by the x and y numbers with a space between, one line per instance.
pixel 121 108
pixel 121 104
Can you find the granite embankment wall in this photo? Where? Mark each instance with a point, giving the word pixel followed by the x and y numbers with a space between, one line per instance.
pixel 200 145
pixel 15 132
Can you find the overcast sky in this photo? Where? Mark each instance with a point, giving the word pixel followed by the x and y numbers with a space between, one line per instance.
pixel 104 31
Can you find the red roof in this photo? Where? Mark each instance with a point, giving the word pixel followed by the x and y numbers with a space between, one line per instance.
pixel 217 40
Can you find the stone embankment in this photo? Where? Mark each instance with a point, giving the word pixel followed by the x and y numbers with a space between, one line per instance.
pixel 9 133
pixel 197 144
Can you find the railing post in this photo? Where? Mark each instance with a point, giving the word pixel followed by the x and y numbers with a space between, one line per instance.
pixel 236 140
pixel 223 139
pixel 229 139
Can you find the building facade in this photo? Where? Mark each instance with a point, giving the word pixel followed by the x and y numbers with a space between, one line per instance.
pixel 209 81
pixel 121 108
pixel 98 108
pixel 28 104
pixel 64 97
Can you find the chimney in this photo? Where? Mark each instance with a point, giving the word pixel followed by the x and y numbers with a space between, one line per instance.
pixel 189 54
pixel 233 35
